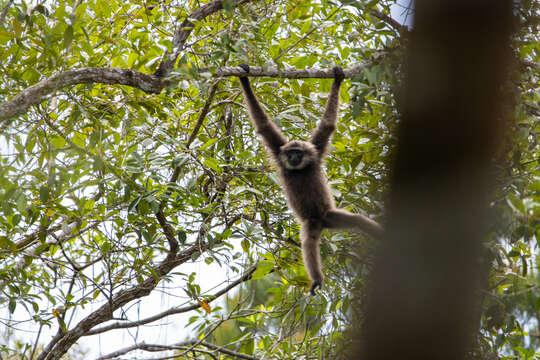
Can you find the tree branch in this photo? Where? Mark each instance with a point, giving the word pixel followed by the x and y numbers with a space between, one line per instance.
pixel 105 312
pixel 179 346
pixel 169 234
pixel 227 351
pixel 291 73
pixel 148 83
pixel 38 249
pixel 39 92
pixel 201 118
pixel 172 311
pixel 183 32
pixel 192 136
pixel 389 20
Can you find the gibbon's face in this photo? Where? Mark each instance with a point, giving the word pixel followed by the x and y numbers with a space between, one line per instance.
pixel 295 156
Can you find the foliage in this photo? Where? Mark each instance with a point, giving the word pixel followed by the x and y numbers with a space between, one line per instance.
pixel 88 190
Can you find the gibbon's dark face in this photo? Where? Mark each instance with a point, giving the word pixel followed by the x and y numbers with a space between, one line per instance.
pixel 296 155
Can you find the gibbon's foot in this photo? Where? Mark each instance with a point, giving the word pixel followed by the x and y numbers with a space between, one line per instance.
pixel 244 67
pixel 339 75
pixel 315 285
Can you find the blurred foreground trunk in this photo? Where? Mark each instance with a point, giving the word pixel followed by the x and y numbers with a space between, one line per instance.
pixel 424 299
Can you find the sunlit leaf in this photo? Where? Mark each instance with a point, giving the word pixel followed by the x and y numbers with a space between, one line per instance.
pixel 205 306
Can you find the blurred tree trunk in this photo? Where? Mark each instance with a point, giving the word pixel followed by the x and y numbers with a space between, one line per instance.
pixel 424 296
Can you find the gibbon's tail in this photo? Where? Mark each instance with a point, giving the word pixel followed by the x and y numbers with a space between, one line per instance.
pixel 311 254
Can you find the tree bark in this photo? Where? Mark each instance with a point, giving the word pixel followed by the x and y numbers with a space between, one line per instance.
pixel 424 290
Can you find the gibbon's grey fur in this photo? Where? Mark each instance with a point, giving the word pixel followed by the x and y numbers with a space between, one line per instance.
pixel 300 168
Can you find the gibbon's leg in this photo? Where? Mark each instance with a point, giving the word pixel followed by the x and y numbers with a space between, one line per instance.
pixel 269 131
pixel 310 234
pixel 342 219
pixel 328 122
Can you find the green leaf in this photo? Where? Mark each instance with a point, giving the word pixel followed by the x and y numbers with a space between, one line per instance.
pixel 213 164
pixel 245 245
pixel 306 27
pixel 182 236
pixel 98 164
pixel 228 5
pixel 30 143
pixel 21 202
pixel 68 37
pixel 5 36
pixel 58 142
pixel 62 324
pixel 143 208
pixel 7 244
pixel 101 209
pixel 180 160
pixel 134 203
pixel 105 247
pixel 263 268
pixel 12 305
pixel 89 204
pixel 44 194
pixel 516 204
pixel 79 140
pixel 207 144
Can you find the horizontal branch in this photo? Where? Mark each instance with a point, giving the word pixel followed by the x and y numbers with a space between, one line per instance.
pixel 41 91
pixel 44 89
pixel 290 73
pixel 179 346
pixel 224 350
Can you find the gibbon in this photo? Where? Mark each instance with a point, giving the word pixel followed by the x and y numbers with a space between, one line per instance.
pixel 305 186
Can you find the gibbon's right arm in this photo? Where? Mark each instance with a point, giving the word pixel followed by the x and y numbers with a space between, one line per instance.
pixel 329 120
pixel 272 136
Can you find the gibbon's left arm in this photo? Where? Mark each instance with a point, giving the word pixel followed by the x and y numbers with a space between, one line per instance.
pixel 328 123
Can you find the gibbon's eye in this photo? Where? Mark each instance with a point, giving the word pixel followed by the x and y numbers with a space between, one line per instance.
pixel 294 157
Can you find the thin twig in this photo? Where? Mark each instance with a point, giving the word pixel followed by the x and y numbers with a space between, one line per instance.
pixel 202 116
pixel 176 310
